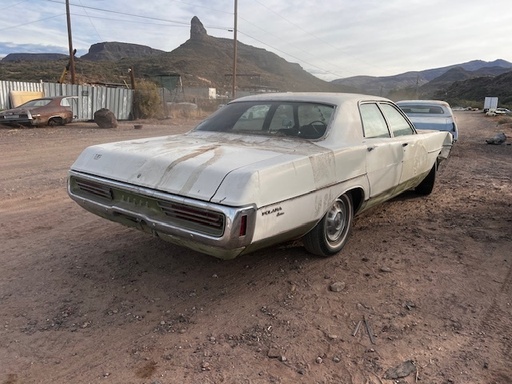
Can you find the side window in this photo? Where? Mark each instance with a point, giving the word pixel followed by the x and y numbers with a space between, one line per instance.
pixel 65 103
pixel 309 113
pixel 41 103
pixel 283 118
pixel 397 123
pixel 252 119
pixel 374 124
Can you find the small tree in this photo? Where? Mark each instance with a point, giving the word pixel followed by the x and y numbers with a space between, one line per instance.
pixel 146 100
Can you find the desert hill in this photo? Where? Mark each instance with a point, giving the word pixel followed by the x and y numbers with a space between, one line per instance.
pixel 18 57
pixel 438 87
pixel 207 61
pixel 203 60
pixel 111 51
pixel 433 79
pixel 478 88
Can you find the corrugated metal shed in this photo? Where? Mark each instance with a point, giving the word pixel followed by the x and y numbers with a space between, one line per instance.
pixel 89 98
pixel 7 86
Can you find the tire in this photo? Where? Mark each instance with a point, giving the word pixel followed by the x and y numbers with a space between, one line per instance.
pixel 427 185
pixel 54 121
pixel 331 233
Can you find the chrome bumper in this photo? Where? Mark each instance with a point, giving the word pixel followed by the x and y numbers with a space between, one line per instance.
pixel 213 229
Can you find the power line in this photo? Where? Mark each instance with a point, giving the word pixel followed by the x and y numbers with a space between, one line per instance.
pixel 300 49
pixel 13 5
pixel 201 6
pixel 90 20
pixel 124 13
pixel 32 22
pixel 129 21
pixel 303 30
pixel 182 23
pixel 177 23
pixel 287 54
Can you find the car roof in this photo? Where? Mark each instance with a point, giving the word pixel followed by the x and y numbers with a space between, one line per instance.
pixel 54 97
pixel 322 97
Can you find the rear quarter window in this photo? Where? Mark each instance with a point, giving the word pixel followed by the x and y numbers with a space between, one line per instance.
pixel 397 123
pixel 374 125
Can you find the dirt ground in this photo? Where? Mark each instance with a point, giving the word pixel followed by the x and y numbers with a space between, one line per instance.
pixel 84 300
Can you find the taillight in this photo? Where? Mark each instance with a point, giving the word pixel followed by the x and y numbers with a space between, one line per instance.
pixel 243 225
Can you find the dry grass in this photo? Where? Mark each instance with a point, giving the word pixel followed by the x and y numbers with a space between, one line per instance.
pixel 504 120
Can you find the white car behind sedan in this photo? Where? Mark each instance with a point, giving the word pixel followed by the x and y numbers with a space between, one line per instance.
pixel 431 114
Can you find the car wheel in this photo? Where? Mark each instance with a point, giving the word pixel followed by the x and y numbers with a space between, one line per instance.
pixel 54 121
pixel 329 236
pixel 427 185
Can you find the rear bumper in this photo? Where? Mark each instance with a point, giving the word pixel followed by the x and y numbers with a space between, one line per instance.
pixel 217 230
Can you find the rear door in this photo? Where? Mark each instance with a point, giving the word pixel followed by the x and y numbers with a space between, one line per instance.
pixel 384 153
pixel 415 155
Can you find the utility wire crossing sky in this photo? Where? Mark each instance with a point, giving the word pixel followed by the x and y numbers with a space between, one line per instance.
pixel 331 39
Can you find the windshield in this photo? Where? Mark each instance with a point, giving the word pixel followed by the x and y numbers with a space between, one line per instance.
pixel 287 118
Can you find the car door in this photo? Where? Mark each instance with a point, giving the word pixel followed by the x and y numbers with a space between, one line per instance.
pixel 384 153
pixel 415 155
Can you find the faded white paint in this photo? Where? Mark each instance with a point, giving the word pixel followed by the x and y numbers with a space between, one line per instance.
pixel 290 182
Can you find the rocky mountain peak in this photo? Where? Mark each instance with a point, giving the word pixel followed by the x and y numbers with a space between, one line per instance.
pixel 197 30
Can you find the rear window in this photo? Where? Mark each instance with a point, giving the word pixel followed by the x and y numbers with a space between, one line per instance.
pixel 423 109
pixel 65 103
pixel 283 118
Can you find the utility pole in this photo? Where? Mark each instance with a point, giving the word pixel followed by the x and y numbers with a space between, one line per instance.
pixel 132 77
pixel 70 43
pixel 235 38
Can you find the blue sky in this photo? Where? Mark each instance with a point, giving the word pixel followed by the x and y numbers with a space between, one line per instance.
pixel 331 39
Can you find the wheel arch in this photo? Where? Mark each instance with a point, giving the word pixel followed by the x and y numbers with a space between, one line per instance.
pixel 59 120
pixel 357 195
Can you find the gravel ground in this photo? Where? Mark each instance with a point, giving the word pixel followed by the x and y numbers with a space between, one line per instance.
pixel 85 300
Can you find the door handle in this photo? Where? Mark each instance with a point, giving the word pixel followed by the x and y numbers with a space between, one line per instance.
pixel 370 149
pixel 405 144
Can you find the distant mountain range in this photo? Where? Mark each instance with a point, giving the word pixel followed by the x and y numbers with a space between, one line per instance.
pixel 201 61
pixel 206 61
pixel 19 57
pixel 106 51
pixel 425 82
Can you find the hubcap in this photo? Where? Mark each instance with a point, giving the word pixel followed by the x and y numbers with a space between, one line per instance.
pixel 335 222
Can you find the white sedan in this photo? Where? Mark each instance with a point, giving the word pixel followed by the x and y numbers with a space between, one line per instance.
pixel 262 170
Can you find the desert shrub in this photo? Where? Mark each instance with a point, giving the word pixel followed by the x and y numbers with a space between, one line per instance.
pixel 506 100
pixel 456 102
pixel 146 100
pixel 184 110
pixel 504 120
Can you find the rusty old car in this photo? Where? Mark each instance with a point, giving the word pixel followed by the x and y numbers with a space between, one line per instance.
pixel 262 170
pixel 40 112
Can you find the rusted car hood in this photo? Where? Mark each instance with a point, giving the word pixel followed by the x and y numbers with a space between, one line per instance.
pixel 195 165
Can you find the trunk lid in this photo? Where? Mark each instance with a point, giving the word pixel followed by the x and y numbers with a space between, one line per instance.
pixel 195 164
